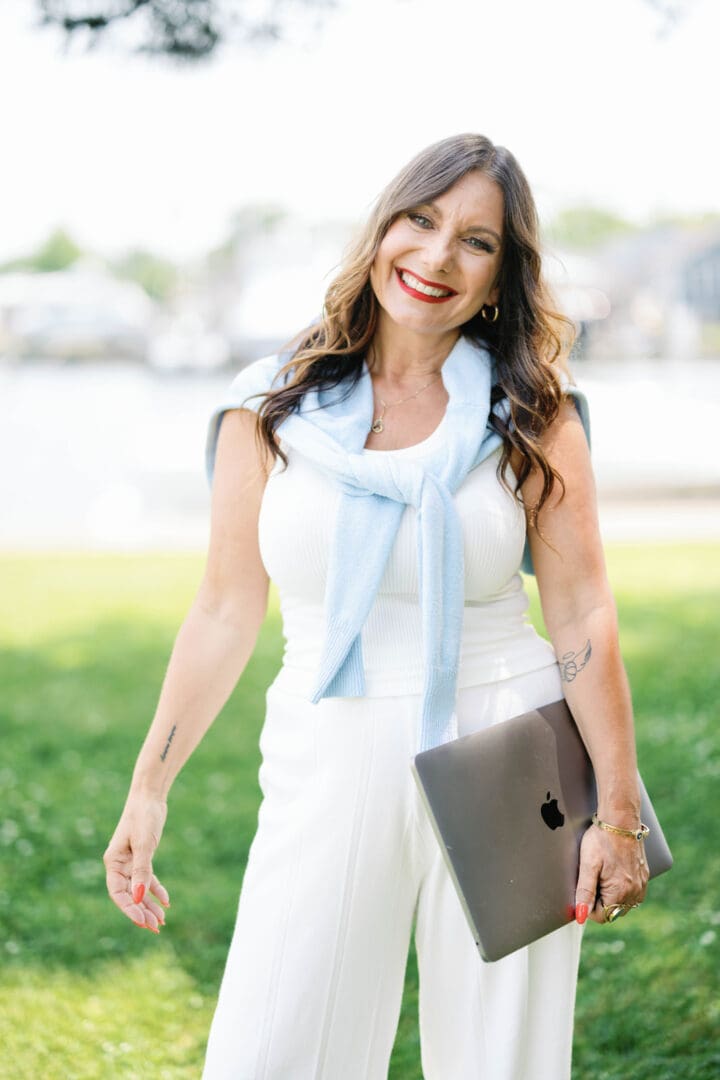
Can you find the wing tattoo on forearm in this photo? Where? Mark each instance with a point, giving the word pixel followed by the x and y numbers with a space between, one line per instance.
pixel 571 663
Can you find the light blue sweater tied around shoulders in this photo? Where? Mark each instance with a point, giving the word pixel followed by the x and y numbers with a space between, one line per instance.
pixel 330 428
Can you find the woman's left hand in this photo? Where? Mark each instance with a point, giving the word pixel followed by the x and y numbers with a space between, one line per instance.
pixel 613 870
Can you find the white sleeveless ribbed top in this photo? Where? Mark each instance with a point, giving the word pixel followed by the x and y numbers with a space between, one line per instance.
pixel 296 520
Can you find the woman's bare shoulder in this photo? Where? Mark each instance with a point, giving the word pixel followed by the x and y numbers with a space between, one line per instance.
pixel 554 435
pixel 235 574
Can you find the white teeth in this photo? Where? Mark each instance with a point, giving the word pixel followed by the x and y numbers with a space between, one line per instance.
pixel 419 287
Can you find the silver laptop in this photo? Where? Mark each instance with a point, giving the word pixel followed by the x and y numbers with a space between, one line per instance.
pixel 509 805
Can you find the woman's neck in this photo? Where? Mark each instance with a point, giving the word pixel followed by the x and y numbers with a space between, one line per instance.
pixel 400 357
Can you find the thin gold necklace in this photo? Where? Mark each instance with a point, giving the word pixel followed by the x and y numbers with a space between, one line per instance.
pixel 377 424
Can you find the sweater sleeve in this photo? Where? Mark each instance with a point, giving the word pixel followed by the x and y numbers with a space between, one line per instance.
pixel 579 400
pixel 255 379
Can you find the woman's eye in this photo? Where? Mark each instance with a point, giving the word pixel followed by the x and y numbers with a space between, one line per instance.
pixel 481 244
pixel 474 241
pixel 419 217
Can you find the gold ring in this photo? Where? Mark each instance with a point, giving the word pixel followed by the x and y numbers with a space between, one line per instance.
pixel 614 911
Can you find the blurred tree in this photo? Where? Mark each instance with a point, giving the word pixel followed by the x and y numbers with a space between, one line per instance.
pixel 246 224
pixel 184 30
pixel 57 253
pixel 158 276
pixel 191 30
pixel 585 227
pixel 702 219
pixel 671 12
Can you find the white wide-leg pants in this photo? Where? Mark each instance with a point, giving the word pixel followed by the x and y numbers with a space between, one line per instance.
pixel 343 859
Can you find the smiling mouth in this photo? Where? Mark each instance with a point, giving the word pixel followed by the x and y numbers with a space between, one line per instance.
pixel 421 289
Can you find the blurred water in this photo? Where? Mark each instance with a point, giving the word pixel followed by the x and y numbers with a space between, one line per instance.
pixel 654 425
pixel 111 455
pixel 104 456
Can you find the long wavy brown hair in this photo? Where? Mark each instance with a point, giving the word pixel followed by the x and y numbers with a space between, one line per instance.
pixel 529 341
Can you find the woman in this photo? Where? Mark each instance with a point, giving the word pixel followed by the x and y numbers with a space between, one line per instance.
pixel 427 436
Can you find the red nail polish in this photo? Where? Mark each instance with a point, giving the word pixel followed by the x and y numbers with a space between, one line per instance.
pixel 138 893
pixel 581 913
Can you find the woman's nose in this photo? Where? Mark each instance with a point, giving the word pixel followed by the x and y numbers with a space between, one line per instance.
pixel 437 255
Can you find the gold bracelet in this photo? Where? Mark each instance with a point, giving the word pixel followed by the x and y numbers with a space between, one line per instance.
pixel 634 834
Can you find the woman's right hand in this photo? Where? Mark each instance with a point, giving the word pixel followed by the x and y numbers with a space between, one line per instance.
pixel 128 861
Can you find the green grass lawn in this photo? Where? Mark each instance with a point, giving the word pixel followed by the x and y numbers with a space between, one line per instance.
pixel 83 993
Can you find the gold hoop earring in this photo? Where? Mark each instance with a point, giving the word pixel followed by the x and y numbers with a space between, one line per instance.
pixel 494 318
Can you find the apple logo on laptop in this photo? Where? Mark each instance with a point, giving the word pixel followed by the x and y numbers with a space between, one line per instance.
pixel 551 813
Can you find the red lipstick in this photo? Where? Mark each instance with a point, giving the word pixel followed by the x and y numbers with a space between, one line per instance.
pixel 420 295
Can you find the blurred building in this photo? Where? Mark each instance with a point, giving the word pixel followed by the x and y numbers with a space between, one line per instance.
pixel 578 287
pixel 276 283
pixel 701 281
pixel 82 313
pixel 663 286
pixel 648 294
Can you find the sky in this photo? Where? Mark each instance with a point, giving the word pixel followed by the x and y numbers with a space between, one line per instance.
pixel 597 101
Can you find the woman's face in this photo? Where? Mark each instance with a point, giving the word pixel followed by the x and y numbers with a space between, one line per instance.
pixel 452 245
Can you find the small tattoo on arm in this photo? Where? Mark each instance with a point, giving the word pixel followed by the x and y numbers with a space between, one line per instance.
pixel 167 744
pixel 571 663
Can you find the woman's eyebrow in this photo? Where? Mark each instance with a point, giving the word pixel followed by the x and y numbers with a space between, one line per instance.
pixel 470 228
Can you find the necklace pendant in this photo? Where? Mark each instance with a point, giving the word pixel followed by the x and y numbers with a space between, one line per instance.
pixel 377 426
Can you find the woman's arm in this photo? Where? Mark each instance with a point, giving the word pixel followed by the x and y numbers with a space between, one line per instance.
pixel 212 647
pixel 581 618
pixel 219 633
